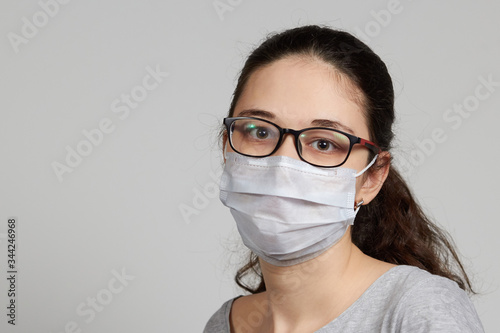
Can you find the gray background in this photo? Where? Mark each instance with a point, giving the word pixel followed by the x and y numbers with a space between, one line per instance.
pixel 119 210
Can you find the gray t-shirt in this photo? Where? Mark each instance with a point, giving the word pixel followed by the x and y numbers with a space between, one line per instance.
pixel 404 299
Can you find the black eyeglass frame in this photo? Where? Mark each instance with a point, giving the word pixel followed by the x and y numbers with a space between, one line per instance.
pixel 352 139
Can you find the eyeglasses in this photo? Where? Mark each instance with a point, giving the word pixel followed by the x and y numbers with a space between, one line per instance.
pixel 319 146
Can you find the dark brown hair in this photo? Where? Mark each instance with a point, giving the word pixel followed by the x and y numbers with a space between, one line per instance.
pixel 392 228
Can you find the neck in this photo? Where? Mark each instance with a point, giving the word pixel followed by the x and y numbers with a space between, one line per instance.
pixel 321 288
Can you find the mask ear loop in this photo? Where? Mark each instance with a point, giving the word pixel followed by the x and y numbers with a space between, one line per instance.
pixel 224 153
pixel 367 167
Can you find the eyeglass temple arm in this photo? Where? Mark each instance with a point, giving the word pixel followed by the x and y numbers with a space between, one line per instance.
pixel 370 145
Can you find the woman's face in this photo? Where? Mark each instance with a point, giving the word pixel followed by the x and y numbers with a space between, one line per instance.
pixel 298 93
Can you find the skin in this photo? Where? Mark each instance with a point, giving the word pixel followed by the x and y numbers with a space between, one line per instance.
pixel 297 92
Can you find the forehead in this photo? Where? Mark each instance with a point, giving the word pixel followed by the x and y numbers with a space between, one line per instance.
pixel 299 90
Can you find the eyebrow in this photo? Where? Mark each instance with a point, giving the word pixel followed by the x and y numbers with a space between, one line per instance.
pixel 315 123
pixel 257 113
pixel 333 124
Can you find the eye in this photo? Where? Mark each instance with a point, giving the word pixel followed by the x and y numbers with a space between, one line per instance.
pixel 261 133
pixel 323 145
pixel 258 132
pixel 321 141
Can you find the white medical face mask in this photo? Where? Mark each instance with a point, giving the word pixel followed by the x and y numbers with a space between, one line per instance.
pixel 286 210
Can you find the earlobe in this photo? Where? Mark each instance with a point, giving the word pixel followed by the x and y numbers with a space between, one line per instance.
pixel 358 204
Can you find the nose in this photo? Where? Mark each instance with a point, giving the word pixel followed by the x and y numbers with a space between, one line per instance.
pixel 287 147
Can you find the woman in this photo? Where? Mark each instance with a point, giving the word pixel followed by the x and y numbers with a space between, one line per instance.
pixel 306 145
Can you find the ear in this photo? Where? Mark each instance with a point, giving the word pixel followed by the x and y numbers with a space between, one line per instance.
pixel 374 178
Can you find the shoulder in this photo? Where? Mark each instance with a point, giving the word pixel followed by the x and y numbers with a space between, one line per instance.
pixel 219 322
pixel 431 303
pixel 244 312
pixel 409 299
